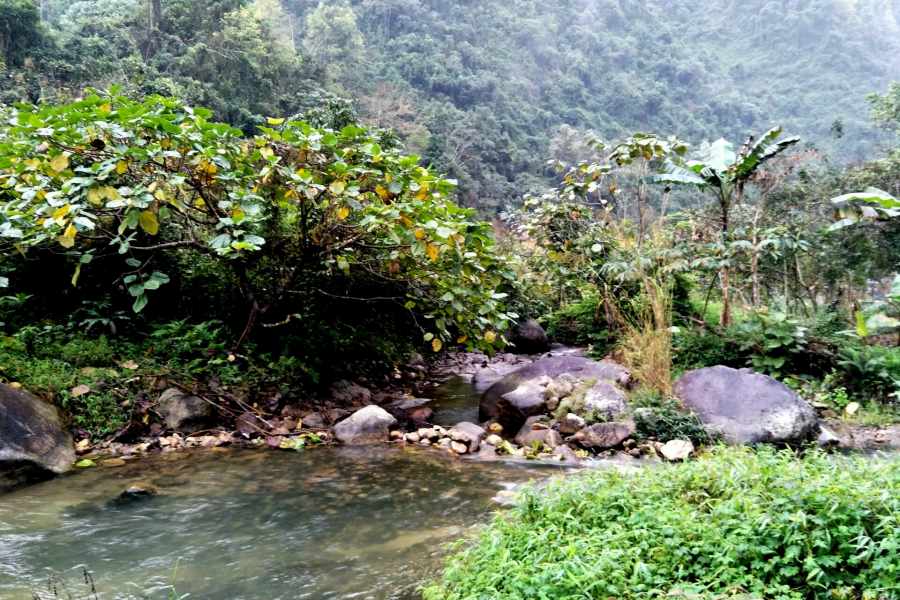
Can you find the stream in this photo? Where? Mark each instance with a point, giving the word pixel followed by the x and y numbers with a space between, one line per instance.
pixel 328 522
pixel 247 524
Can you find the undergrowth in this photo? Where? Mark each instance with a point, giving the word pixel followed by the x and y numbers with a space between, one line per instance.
pixel 735 523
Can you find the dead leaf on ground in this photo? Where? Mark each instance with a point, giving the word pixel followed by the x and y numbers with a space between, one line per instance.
pixel 112 462
pixel 80 390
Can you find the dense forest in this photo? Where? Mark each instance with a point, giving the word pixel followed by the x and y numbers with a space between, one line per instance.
pixel 664 232
pixel 485 92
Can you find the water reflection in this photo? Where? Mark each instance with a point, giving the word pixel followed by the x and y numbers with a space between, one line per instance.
pixel 337 522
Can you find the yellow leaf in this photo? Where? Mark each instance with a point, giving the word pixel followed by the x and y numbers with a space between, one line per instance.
pixel 436 345
pixel 60 212
pixel 432 251
pixel 19 248
pixel 405 221
pixel 95 196
pixel 423 194
pixel 343 212
pixel 613 188
pixel 337 187
pixel 104 107
pixel 490 337
pixel 152 187
pixel 66 241
pixel 382 191
pixel 275 121
pixel 121 167
pixel 459 239
pixel 71 231
pixel 112 193
pixel 130 364
pixel 462 339
pixel 59 163
pixel 420 234
pixel 80 390
pixel 148 222
pixel 576 214
pixel 15 384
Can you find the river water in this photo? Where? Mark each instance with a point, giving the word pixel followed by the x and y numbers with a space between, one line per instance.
pixel 329 522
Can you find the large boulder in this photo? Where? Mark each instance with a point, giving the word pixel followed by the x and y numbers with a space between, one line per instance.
pixel 34 441
pixel 184 412
pixel 511 413
pixel 528 337
pixel 368 425
pixel 747 407
pixel 606 400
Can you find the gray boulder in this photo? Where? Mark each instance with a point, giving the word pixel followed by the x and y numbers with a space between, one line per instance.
pixel 528 337
pixel 603 436
pixel 536 429
pixel 469 434
pixel 368 425
pixel 487 376
pixel 747 407
pixel 34 441
pixel 183 412
pixel 494 406
pixel 525 401
pixel 571 424
pixel 606 400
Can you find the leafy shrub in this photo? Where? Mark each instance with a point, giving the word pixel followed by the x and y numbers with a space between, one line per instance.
pixel 667 420
pixel 696 349
pixel 52 370
pixel 871 371
pixel 735 520
pixel 582 323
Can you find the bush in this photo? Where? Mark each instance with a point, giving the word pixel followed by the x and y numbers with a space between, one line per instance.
pixel 735 521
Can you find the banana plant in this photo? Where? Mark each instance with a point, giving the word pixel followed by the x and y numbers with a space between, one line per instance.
pixel 724 172
pixel 871 205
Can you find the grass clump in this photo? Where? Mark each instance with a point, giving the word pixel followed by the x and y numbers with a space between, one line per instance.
pixel 737 522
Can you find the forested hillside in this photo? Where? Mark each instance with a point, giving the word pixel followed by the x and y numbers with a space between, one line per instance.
pixel 481 90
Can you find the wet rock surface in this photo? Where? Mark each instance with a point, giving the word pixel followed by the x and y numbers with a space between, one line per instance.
pixel 368 425
pixel 34 442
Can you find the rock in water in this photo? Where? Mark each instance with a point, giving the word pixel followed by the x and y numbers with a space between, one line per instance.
pixel 676 450
pixel 535 431
pixel 528 337
pixel 34 441
pixel 469 434
pixel 368 425
pixel 603 436
pixel 183 412
pixel 747 407
pixel 492 401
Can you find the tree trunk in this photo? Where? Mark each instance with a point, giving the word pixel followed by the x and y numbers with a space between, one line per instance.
pixel 754 256
pixel 240 270
pixel 725 319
